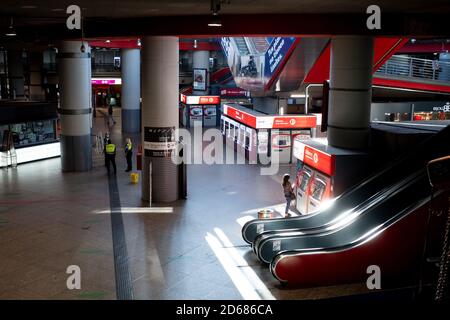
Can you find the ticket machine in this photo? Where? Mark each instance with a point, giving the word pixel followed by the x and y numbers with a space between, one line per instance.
pixel 199 110
pixel 325 172
pixel 303 187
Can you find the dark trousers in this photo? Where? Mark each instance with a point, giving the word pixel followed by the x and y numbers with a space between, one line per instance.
pixel 111 159
pixel 129 156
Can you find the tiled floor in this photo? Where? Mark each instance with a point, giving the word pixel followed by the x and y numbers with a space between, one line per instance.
pixel 50 220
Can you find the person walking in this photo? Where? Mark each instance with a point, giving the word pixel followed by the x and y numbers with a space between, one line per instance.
pixel 110 156
pixel 288 193
pixel 129 154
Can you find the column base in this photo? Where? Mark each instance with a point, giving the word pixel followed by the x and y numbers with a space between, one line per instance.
pixel 131 120
pixel 76 153
pixel 164 180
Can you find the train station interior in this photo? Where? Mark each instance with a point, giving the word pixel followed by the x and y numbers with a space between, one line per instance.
pixel 224 150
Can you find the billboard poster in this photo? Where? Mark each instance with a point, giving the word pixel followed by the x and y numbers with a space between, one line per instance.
pixel 253 69
pixel 199 79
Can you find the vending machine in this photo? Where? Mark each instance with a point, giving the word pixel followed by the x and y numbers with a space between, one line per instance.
pixel 325 172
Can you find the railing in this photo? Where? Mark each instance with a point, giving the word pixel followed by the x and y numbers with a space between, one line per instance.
pixel 405 66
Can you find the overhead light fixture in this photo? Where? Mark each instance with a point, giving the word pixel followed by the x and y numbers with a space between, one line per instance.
pixel 11 31
pixel 295 95
pixel 215 19
pixel 108 41
pixel 413 40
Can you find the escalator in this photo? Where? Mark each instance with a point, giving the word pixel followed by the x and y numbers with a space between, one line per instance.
pixel 387 229
pixel 350 201
pixel 242 46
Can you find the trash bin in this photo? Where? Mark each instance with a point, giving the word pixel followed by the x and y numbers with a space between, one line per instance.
pixel 134 177
pixel 266 213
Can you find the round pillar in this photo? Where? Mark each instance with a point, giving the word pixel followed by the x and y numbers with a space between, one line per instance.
pixel 350 91
pixel 160 97
pixel 74 68
pixel 131 90
pixel 200 60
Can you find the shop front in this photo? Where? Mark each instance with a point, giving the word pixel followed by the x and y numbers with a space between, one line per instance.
pixel 33 127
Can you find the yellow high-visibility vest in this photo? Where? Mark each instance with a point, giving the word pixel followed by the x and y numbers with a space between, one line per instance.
pixel 110 148
pixel 129 146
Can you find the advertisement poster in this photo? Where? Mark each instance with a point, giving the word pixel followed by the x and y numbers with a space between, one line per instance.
pixel 199 79
pixel 255 61
pixel 159 142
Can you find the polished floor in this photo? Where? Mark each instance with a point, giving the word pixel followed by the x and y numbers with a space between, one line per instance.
pixel 189 249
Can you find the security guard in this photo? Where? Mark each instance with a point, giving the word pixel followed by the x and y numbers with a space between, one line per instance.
pixel 110 155
pixel 129 154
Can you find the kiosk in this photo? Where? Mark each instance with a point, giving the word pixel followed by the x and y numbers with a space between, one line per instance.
pixel 199 110
pixel 257 135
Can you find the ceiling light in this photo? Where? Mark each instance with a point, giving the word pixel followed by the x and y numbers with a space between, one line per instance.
pixel 215 19
pixel 108 41
pixel 295 95
pixel 413 40
pixel 11 32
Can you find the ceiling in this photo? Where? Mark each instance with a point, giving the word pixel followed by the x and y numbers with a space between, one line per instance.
pixel 48 11
pixel 104 18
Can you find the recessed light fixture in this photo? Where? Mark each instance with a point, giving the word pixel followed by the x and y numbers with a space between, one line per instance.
pixel 11 32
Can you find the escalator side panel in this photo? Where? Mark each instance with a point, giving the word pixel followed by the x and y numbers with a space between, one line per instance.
pixel 396 250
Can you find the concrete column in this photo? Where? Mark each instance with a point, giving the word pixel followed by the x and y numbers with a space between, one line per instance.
pixel 200 60
pixel 37 92
pixel 75 86
pixel 15 75
pixel 131 90
pixel 350 91
pixel 160 97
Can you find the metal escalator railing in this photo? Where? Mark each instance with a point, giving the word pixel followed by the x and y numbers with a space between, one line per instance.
pixel 405 66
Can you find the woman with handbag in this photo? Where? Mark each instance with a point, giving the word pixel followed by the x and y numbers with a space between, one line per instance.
pixel 288 193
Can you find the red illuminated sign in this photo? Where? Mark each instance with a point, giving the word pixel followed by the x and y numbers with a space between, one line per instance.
pixel 287 122
pixel 199 99
pixel 319 160
pixel 241 116
pixel 233 92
